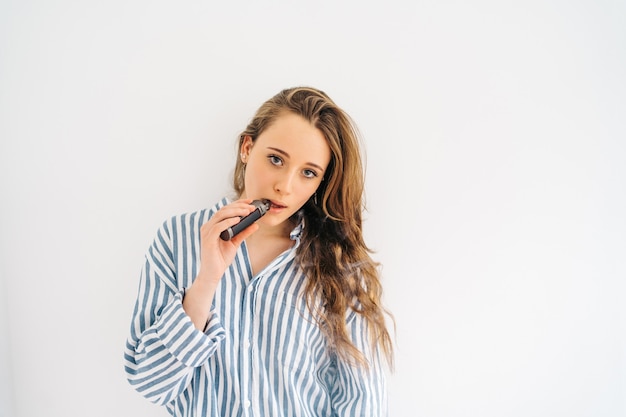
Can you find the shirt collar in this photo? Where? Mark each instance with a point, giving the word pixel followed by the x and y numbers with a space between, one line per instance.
pixel 296 233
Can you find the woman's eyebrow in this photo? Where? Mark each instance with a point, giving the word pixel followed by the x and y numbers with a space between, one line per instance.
pixel 287 155
pixel 279 151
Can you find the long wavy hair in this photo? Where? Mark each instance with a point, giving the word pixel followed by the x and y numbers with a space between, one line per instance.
pixel 333 254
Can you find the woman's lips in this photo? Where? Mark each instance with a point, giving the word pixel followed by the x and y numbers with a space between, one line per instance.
pixel 276 206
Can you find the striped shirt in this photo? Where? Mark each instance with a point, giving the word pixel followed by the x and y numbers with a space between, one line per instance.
pixel 261 354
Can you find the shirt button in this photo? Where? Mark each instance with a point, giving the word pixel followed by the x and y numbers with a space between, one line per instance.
pixel 246 403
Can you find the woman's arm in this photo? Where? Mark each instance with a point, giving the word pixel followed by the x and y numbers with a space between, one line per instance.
pixel 173 329
pixel 164 346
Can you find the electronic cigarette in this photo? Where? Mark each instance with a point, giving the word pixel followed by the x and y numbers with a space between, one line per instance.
pixel 262 206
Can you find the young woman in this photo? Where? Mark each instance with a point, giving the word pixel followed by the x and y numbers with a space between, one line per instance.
pixel 284 319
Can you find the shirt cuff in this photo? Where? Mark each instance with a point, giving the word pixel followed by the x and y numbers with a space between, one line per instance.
pixel 189 345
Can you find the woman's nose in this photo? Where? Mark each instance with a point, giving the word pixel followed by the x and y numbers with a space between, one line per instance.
pixel 284 183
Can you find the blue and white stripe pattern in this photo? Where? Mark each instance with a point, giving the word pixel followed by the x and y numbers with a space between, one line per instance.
pixel 262 353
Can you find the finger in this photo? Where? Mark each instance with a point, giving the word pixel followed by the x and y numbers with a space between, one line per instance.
pixel 243 235
pixel 244 200
pixel 231 211
pixel 210 230
pixel 224 218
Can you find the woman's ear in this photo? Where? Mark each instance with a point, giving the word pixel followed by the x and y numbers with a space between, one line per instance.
pixel 246 147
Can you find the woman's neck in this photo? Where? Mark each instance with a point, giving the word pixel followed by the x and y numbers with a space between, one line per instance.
pixel 266 244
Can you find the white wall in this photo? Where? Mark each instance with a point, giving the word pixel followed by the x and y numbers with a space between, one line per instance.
pixel 496 131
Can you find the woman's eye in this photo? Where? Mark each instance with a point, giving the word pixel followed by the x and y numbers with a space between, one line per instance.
pixel 275 160
pixel 309 173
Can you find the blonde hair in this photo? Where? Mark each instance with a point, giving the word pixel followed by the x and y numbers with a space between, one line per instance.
pixel 332 252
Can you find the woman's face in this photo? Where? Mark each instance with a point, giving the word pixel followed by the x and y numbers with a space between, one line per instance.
pixel 285 165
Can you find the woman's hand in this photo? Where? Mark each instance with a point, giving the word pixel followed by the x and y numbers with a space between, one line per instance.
pixel 215 256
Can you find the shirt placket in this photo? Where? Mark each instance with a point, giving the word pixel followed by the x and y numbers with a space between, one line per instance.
pixel 245 350
pixel 249 384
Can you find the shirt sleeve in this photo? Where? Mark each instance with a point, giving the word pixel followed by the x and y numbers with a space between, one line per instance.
pixel 358 390
pixel 164 347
